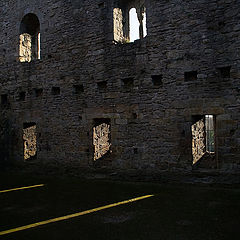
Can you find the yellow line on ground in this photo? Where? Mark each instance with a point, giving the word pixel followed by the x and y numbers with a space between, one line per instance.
pixel 21 188
pixel 71 215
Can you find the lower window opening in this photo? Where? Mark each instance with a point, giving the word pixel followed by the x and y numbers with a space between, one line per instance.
pixel 210 133
pixel 203 140
pixel 101 137
pixel 30 140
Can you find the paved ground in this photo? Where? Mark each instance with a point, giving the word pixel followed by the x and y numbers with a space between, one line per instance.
pixel 175 212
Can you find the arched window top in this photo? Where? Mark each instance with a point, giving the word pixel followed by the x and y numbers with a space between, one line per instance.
pixel 30 24
pixel 129 21
pixel 29 39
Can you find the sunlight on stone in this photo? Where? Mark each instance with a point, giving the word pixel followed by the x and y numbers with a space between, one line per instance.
pixel 101 140
pixel 25 47
pixel 144 24
pixel 30 142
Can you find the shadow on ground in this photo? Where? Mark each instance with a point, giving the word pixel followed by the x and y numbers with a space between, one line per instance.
pixel 176 212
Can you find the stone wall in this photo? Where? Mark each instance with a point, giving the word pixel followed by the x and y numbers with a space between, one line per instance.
pixel 150 123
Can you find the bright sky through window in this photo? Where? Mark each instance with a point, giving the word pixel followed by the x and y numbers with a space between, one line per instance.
pixel 144 25
pixel 134 25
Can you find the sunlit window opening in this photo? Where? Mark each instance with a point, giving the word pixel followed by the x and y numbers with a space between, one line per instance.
pixel 101 138
pixel 29 39
pixel 38 46
pixel 29 140
pixel 118 24
pixel 144 24
pixel 209 125
pixel 129 24
pixel 203 137
pixel 134 25
pixel 137 24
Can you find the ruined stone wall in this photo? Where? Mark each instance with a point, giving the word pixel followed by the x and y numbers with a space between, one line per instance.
pixel 150 123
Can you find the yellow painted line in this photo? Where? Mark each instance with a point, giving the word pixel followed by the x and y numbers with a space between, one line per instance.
pixel 21 188
pixel 71 215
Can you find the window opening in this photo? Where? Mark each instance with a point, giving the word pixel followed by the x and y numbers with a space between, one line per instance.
pixel 210 135
pixel 128 82
pixel 22 96
pixel 203 136
pixel 144 24
pixel 30 140
pixel 157 80
pixel 190 76
pixel 55 90
pixel 4 99
pixel 29 40
pixel 38 46
pixel 118 25
pixel 38 92
pixel 225 71
pixel 129 21
pixel 101 137
pixel 78 89
pixel 102 85
pixel 134 25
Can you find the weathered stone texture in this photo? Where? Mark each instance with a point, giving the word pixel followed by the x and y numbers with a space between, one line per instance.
pixel 150 123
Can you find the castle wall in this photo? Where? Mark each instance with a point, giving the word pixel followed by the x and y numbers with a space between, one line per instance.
pixel 143 87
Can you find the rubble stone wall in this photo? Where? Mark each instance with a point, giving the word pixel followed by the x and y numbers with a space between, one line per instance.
pixel 150 124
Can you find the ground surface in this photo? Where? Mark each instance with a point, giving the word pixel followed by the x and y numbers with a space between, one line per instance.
pixel 176 212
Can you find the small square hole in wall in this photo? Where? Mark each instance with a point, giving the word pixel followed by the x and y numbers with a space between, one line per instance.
pixel 224 71
pixel 190 76
pixel 102 85
pixel 135 150
pixel 22 96
pixel 78 89
pixel 38 92
pixel 128 82
pixel 157 80
pixel 101 4
pixel 4 99
pixel 55 90
pixel 134 115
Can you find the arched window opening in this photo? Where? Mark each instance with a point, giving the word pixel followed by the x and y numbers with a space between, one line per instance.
pixel 133 25
pixel 29 40
pixel 129 21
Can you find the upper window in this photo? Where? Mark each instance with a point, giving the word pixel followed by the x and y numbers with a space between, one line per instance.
pixel 29 40
pixel 129 21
